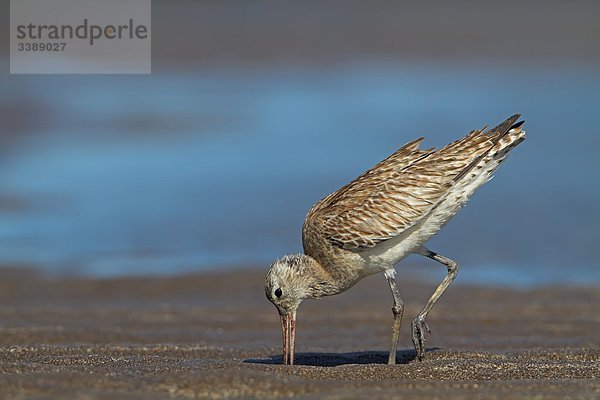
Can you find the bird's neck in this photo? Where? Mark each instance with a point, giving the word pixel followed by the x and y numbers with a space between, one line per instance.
pixel 322 282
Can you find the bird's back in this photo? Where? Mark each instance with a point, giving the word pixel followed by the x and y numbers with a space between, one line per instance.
pixel 384 214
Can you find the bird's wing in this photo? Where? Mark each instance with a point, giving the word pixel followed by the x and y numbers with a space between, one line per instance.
pixel 396 193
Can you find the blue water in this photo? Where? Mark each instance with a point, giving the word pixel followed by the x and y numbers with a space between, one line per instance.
pixel 178 172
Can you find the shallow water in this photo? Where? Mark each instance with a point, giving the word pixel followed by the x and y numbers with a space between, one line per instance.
pixel 179 172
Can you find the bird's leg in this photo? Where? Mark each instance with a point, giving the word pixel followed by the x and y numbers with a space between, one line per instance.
pixel 419 326
pixel 398 310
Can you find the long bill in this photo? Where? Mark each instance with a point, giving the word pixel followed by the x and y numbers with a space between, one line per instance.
pixel 288 330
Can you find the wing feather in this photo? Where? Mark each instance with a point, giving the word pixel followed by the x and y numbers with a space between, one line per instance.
pixel 400 190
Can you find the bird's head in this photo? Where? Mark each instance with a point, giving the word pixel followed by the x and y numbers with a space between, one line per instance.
pixel 290 280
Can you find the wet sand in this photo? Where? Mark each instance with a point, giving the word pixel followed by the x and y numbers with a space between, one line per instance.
pixel 216 336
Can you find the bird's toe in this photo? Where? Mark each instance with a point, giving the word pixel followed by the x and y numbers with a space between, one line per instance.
pixel 419 327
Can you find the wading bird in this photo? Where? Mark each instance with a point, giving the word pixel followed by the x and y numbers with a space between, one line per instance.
pixel 379 218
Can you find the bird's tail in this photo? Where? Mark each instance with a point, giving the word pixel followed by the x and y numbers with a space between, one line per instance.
pixel 507 140
pixel 503 138
pixel 507 136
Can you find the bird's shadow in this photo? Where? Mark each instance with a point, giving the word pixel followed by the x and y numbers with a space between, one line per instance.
pixel 337 359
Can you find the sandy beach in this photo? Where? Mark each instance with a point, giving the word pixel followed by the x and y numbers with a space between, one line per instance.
pixel 215 336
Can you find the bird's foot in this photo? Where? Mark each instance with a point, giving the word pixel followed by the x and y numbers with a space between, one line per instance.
pixel 419 326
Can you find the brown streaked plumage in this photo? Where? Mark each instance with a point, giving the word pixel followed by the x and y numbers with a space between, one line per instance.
pixel 381 217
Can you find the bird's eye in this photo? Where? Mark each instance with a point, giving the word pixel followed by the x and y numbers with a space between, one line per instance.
pixel 278 292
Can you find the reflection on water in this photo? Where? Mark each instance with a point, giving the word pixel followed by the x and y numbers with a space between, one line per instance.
pixel 180 172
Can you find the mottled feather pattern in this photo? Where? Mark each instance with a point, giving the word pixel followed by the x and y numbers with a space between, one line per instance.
pixel 396 193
